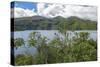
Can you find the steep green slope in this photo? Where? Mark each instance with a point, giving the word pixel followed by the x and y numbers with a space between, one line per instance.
pixel 42 23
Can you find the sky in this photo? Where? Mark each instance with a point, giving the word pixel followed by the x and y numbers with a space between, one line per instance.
pixel 24 5
pixel 49 10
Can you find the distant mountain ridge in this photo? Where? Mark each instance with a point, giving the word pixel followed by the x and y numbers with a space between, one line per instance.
pixel 43 23
pixel 36 17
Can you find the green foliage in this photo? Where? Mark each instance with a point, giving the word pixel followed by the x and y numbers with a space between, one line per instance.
pixel 83 36
pixel 62 27
pixel 18 42
pixel 84 48
pixel 57 51
pixel 40 43
pixel 36 40
pixel 84 52
pixel 24 60
pixel 60 49
pixel 32 39
pixel 93 43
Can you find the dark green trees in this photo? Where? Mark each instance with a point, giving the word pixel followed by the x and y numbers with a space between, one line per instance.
pixel 58 50
pixel 82 50
pixel 61 49
pixel 40 43
pixel 24 59
pixel 18 42
pixel 31 23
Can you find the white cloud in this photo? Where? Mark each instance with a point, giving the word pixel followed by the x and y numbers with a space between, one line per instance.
pixel 40 8
pixel 54 10
pixel 20 12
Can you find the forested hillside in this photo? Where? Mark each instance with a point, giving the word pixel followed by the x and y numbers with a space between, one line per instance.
pixel 42 23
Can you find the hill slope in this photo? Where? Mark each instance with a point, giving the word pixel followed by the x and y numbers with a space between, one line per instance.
pixel 42 23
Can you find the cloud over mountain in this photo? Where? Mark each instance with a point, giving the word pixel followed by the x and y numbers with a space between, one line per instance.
pixel 53 10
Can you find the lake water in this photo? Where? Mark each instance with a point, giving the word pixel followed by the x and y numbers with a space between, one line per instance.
pixel 48 33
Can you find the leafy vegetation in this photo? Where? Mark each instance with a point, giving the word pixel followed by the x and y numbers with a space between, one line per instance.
pixel 18 42
pixel 24 59
pixel 60 49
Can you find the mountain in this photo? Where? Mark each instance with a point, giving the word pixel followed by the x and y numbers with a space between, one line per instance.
pixel 43 23
pixel 29 18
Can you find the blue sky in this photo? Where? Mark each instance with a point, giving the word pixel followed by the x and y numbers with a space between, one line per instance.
pixel 24 9
pixel 24 5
